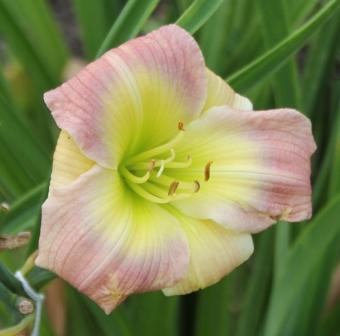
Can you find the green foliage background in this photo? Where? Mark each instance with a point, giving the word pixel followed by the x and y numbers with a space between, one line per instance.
pixel 281 53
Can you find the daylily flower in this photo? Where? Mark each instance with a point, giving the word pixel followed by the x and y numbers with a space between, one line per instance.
pixel 162 172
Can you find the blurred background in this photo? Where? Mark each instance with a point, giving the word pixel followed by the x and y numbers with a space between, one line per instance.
pixel 282 53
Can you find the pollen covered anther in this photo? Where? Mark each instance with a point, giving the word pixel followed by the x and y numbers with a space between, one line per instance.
pixel 152 164
pixel 173 187
pixel 207 171
pixel 181 126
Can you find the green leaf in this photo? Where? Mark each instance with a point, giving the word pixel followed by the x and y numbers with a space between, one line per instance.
pixel 39 27
pixel 39 277
pixel 31 55
pixel 213 309
pixel 335 164
pixel 10 281
pixel 23 212
pixel 146 316
pixel 304 261
pixel 258 284
pixel 299 9
pixel 318 64
pixel 197 14
pixel 285 83
pixel 220 306
pixel 128 24
pixel 270 61
pixel 30 156
pixel 214 36
pixel 24 40
pixel 91 17
pixel 116 323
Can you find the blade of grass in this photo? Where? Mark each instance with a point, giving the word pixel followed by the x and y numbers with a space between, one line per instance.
pixel 286 89
pixel 309 250
pixel 23 49
pixel 91 17
pixel 319 63
pixel 23 212
pixel 257 290
pixel 212 44
pixel 299 9
pixel 128 24
pixel 197 14
pixel 32 60
pixel 36 22
pixel 270 61
pixel 12 185
pixel 28 153
pixel 219 307
pixel 285 83
pixel 116 323
pixel 146 310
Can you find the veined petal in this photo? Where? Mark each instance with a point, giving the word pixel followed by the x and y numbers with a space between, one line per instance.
pixel 68 162
pixel 214 252
pixel 132 98
pixel 260 170
pixel 220 93
pixel 108 243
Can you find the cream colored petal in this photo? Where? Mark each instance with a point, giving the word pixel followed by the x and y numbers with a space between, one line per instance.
pixel 220 93
pixel 68 162
pixel 260 170
pixel 214 252
pixel 132 98
pixel 107 242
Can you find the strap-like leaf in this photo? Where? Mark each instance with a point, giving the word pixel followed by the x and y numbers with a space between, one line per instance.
pixel 269 62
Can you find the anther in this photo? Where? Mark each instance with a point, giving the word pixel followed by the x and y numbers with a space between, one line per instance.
pixel 207 171
pixel 4 207
pixel 152 164
pixel 197 186
pixel 173 187
pixel 181 126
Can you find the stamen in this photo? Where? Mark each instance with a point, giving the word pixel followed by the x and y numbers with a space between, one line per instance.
pixel 193 187
pixel 207 171
pixel 161 169
pixel 155 151
pixel 133 178
pixel 151 165
pixel 186 164
pixel 172 188
pixel 181 126
pixel 143 193
pixel 198 186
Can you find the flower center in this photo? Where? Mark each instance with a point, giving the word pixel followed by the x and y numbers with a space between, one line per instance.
pixel 146 173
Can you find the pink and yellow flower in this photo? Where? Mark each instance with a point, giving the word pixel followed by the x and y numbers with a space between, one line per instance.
pixel 162 172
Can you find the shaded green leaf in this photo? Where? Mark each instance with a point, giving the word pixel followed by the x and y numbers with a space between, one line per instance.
pixel 311 249
pixel 270 61
pixel 128 24
pixel 197 14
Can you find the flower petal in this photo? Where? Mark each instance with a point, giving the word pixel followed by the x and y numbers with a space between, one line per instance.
pixel 220 93
pixel 108 243
pixel 260 169
pixel 214 252
pixel 68 162
pixel 133 97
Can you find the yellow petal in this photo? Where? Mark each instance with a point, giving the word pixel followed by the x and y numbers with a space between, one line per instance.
pixel 260 170
pixel 132 98
pixel 220 93
pixel 68 162
pixel 107 242
pixel 214 252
